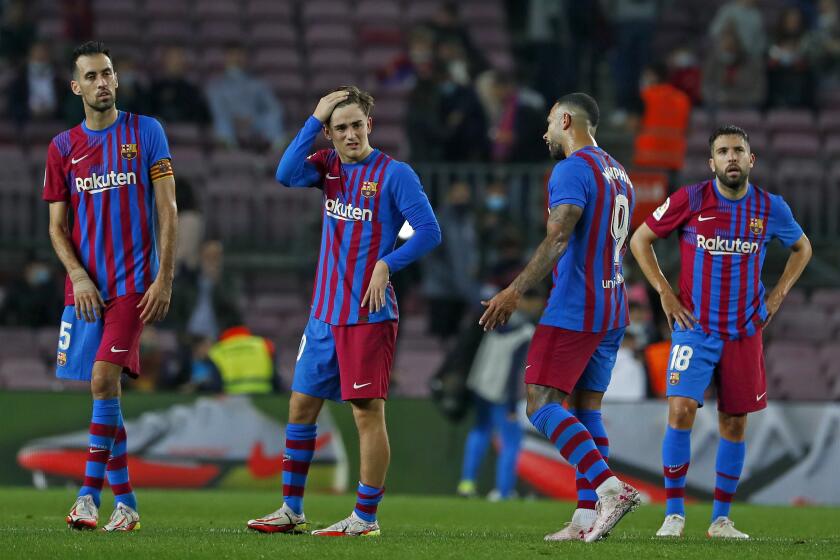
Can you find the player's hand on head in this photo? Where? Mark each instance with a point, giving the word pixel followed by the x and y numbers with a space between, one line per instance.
pixel 155 302
pixel 499 309
pixel 676 311
pixel 375 295
pixel 327 104
pixel 86 297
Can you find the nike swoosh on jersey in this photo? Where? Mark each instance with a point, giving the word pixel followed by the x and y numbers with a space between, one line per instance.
pixel 356 386
pixel 74 161
pixel 114 349
pixel 332 176
pixel 706 219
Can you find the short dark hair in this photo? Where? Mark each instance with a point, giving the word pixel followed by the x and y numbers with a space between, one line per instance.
pixel 88 48
pixel 585 103
pixel 727 130
pixel 357 97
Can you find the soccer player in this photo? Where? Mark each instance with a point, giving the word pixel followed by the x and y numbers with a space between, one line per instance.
pixel 113 175
pixel 348 344
pixel 724 227
pixel 574 347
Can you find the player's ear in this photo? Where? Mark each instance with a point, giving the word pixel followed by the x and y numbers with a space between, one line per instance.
pixel 370 125
pixel 712 164
pixel 75 87
pixel 326 130
pixel 752 160
pixel 116 81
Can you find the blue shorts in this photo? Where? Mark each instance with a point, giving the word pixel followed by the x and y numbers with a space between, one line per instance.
pixel 698 358
pixel 345 362
pixel 114 338
pixel 569 360
pixel 78 343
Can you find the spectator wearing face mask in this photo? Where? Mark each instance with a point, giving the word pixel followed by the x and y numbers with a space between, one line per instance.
pixel 33 298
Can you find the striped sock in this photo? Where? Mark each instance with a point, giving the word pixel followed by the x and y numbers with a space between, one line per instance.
pixel 575 444
pixel 367 500
pixel 676 454
pixel 117 472
pixel 593 422
pixel 103 429
pixel 300 447
pixel 729 462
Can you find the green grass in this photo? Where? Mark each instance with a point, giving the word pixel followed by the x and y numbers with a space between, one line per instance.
pixel 179 524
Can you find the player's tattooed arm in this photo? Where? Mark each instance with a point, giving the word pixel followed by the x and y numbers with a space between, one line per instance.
pixel 561 224
pixel 86 297
pixel 801 252
pixel 155 302
pixel 641 245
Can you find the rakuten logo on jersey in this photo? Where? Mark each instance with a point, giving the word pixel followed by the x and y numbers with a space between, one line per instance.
pixel 98 183
pixel 347 212
pixel 720 246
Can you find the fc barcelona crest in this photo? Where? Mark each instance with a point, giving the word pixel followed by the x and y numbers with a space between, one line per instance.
pixel 369 189
pixel 62 359
pixel 674 377
pixel 757 225
pixel 128 151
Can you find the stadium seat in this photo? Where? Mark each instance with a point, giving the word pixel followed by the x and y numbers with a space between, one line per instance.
pixel 117 32
pixel 483 12
pixel 18 342
pixel 377 12
pixel 419 12
pixel 162 10
pixel 220 32
pixel 267 60
pixel 217 10
pixel 272 33
pixel 330 35
pixel 828 122
pixel 105 9
pixel 326 10
pixel 265 10
pixel 748 119
pixel 26 374
pixel 826 297
pixel 184 134
pixel 805 324
pixel 286 83
pixel 167 30
pixel 374 58
pixel 701 121
pixel 331 58
pixel 790 121
pixel 490 37
pixel 831 147
pixel 795 145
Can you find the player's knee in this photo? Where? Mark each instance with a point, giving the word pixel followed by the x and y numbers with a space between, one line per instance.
pixel 733 427
pixel 102 387
pixel 681 413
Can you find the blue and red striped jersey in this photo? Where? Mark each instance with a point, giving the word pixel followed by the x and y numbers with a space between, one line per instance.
pixel 588 293
pixel 722 244
pixel 106 176
pixel 365 205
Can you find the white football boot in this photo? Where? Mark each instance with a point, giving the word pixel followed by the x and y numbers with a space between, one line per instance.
pixel 571 531
pixel 124 518
pixel 724 528
pixel 673 526
pixel 610 509
pixel 84 514
pixel 353 526
pixel 284 520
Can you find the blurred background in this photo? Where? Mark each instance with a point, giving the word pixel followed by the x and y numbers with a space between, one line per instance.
pixel 462 92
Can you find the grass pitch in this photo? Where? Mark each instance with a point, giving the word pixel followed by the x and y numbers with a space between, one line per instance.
pixel 211 524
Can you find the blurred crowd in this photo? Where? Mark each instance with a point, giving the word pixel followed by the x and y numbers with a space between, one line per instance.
pixel 460 107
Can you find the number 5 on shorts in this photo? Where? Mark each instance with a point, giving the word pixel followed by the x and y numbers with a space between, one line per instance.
pixel 64 336
pixel 680 357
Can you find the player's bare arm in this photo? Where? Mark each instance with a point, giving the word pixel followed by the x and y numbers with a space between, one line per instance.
pixel 800 254
pixel 87 299
pixel 561 224
pixel 155 302
pixel 641 244
pixel 327 104
pixel 374 297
